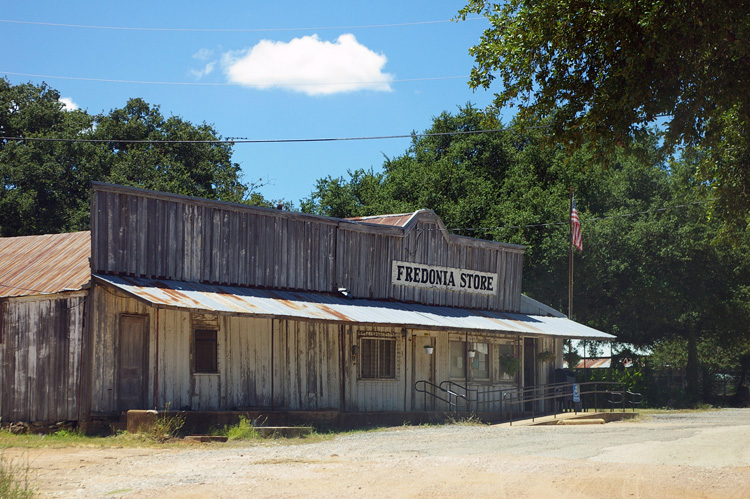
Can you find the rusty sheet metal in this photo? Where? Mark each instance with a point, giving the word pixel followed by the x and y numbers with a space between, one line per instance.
pixel 399 220
pixel 36 265
pixel 601 363
pixel 327 307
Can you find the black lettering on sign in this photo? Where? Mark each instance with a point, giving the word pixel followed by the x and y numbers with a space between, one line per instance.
pixel 445 278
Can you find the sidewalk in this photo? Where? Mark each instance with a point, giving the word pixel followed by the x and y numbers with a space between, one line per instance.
pixel 553 420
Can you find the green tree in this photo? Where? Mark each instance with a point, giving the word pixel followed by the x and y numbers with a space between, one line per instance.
pixel 605 71
pixel 652 268
pixel 187 162
pixel 45 183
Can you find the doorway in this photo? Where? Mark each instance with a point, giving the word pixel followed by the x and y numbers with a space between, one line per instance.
pixel 132 371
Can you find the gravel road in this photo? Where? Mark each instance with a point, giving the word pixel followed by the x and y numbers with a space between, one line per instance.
pixel 702 454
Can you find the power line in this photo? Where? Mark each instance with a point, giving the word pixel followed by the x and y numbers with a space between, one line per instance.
pixel 234 30
pixel 269 141
pixel 208 84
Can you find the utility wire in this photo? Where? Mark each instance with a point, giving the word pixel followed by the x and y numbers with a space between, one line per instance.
pixel 208 84
pixel 268 141
pixel 235 30
pixel 468 229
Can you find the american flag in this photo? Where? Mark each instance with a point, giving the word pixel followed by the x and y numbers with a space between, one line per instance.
pixel 575 225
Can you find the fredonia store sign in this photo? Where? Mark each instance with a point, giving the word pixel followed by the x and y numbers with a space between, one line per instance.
pixel 426 276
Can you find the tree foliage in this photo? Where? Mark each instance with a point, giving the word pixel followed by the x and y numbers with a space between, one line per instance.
pixel 44 185
pixel 605 71
pixel 652 268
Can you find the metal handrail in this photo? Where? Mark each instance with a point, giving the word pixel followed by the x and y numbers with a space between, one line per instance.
pixel 467 392
pixel 450 393
pixel 634 402
pixel 617 395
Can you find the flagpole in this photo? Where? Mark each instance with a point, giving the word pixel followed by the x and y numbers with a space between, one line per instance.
pixel 570 257
pixel 570 268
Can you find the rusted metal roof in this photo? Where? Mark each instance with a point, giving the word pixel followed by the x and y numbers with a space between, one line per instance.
pixel 37 265
pixel 601 363
pixel 334 308
pixel 399 220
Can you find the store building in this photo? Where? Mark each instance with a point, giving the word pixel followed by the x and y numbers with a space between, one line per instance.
pixel 208 306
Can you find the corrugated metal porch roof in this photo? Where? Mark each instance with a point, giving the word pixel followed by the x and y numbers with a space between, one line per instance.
pixel 318 306
pixel 37 265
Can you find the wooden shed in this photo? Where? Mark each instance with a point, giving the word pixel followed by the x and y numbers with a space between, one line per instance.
pixel 43 295
pixel 208 306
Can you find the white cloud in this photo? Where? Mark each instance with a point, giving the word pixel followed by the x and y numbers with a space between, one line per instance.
pixel 203 54
pixel 207 70
pixel 68 104
pixel 309 65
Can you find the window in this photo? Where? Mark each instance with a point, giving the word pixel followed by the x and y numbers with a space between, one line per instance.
pixel 480 363
pixel 457 356
pixel 377 359
pixel 476 357
pixel 205 351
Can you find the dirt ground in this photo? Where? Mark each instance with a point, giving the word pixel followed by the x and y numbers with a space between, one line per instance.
pixel 704 454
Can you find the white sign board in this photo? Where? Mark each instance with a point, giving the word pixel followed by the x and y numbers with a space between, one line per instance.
pixel 429 276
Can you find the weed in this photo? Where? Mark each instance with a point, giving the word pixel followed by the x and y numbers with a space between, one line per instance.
pixel 14 480
pixel 244 430
pixel 166 426
pixel 470 420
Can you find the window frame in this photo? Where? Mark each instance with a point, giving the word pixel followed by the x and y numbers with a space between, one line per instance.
pixel 475 361
pixel 213 367
pixel 463 357
pixel 383 367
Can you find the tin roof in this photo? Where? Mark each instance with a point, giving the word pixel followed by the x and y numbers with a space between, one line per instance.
pixel 399 220
pixel 37 265
pixel 334 308
pixel 601 363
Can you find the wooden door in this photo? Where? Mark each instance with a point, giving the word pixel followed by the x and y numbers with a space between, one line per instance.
pixel 423 369
pixel 132 372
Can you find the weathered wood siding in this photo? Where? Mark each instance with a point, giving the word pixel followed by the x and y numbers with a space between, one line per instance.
pixel 107 307
pixel 262 363
pixel 307 366
pixel 365 255
pixel 362 395
pixel 288 365
pixel 163 236
pixel 40 357
pixel 142 233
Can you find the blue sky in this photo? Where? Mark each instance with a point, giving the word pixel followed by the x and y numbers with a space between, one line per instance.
pixel 258 70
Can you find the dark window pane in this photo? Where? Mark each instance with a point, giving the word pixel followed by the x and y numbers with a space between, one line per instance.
pixel 206 351
pixel 377 359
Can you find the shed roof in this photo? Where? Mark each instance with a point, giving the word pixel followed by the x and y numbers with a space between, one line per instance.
pixel 334 308
pixel 38 265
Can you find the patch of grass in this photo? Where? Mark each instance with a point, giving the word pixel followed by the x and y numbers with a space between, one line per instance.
pixel 166 427
pixel 14 480
pixel 243 430
pixel 470 420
